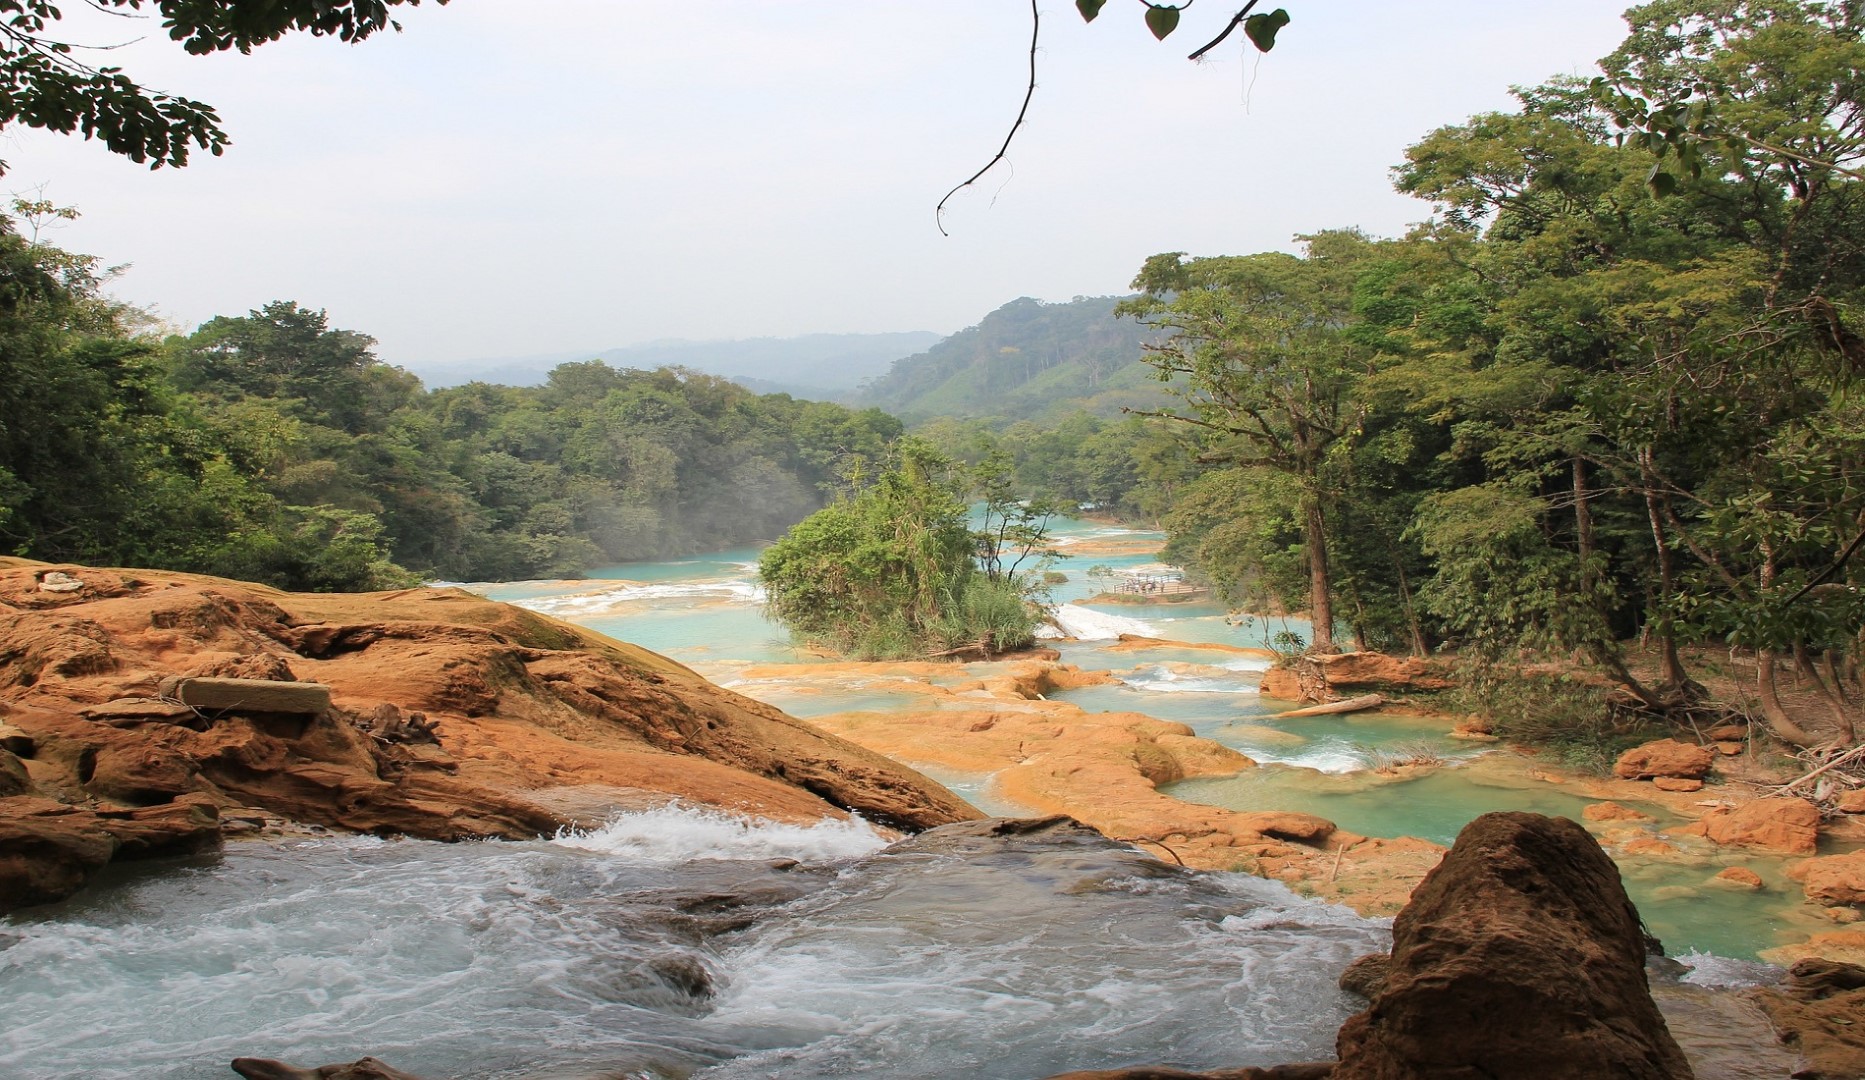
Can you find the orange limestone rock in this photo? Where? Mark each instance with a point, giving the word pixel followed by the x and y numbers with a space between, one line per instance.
pixel 1330 677
pixel 1832 879
pixel 1664 757
pixel 1791 826
pixel 1738 877
pixel 1612 811
pixel 451 717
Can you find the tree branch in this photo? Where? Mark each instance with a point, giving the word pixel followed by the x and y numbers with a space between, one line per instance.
pixel 1236 21
pixel 1036 22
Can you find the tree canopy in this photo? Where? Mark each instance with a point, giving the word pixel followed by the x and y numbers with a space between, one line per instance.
pixel 44 83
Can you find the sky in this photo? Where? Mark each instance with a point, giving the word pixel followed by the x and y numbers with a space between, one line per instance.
pixel 522 177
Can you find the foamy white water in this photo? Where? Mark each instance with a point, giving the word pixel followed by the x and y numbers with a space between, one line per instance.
pixel 1326 756
pixel 608 956
pixel 609 598
pixel 678 834
pixel 1087 624
pixel 1166 680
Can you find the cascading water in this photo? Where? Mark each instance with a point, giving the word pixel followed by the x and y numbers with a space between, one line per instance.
pixel 671 945
pixel 677 943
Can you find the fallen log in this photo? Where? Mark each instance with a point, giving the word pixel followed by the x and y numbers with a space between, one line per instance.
pixel 1353 704
pixel 248 695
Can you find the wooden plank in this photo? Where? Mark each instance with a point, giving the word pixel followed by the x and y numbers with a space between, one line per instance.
pixel 1367 701
pixel 248 695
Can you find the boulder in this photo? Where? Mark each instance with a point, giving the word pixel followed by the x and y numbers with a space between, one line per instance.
pixel 1819 1010
pixel 364 1069
pixel 1664 757
pixel 1519 955
pixel 1676 783
pixel 49 850
pixel 1325 678
pixel 1850 802
pixel 1790 826
pixel 1738 877
pixel 1832 879
pixel 1612 811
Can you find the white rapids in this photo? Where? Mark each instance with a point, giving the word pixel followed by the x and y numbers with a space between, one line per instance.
pixel 669 945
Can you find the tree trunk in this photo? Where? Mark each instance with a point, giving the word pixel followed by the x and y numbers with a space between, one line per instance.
pixel 1320 600
pixel 1411 615
pixel 1583 525
pixel 1674 681
pixel 1829 693
pixel 1772 713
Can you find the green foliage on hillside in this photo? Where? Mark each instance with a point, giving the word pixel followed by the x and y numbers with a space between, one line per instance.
pixel 1026 360
pixel 895 570
pixel 273 447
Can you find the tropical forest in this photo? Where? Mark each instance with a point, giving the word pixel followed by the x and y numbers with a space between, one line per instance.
pixel 1429 652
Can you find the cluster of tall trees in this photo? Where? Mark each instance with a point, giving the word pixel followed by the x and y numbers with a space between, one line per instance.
pixel 902 565
pixel 1567 413
pixel 273 447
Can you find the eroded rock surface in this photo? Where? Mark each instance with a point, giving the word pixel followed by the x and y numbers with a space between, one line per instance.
pixel 1520 955
pixel 1789 826
pixel 1664 758
pixel 1832 879
pixel 1332 677
pixel 1819 1010
pixel 525 724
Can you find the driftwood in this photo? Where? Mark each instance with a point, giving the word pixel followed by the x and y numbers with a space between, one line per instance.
pixel 1354 704
pixel 248 695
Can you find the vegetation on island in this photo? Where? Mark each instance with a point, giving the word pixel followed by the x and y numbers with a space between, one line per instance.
pixel 897 569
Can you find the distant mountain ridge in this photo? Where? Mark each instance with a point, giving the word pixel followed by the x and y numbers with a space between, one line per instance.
pixel 823 366
pixel 1026 360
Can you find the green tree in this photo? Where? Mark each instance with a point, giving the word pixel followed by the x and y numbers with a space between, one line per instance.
pixel 1261 356
pixel 46 85
pixel 892 570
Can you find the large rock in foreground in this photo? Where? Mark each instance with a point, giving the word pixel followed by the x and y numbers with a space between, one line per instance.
pixel 1520 955
pixel 452 717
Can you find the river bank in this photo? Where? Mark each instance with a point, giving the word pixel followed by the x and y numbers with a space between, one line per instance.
pixel 1152 724
pixel 678 941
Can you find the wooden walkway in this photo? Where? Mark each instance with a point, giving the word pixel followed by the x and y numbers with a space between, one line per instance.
pixel 1156 587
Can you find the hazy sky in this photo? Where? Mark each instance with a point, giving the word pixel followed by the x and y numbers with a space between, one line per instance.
pixel 512 177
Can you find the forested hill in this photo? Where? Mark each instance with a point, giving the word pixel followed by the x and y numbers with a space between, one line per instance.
pixel 273 447
pixel 816 366
pixel 1026 360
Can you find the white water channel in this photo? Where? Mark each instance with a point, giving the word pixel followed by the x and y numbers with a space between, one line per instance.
pixel 666 946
